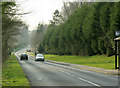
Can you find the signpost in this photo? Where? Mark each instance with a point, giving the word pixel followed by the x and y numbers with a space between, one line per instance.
pixel 117 33
pixel 117 50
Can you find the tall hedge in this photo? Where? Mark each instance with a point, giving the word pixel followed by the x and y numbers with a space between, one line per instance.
pixel 88 31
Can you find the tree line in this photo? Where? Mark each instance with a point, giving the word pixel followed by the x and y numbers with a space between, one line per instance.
pixel 12 28
pixel 36 36
pixel 89 30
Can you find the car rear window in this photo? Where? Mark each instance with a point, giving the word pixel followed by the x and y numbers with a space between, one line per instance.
pixel 40 55
pixel 24 55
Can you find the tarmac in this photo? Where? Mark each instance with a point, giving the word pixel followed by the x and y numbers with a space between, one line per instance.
pixel 100 70
pixel 95 69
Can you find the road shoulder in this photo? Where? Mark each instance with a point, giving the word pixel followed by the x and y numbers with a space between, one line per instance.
pixel 95 69
pixel 13 74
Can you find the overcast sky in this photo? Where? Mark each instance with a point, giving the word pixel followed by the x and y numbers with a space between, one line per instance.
pixel 41 11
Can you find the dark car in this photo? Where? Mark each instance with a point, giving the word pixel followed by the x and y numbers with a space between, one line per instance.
pixel 24 57
pixel 28 50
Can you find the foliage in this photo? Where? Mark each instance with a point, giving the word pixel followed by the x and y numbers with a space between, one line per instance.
pixel 36 36
pixel 89 30
pixel 11 27
pixel 18 47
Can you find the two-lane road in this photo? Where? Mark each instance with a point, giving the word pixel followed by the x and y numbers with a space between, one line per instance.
pixel 49 74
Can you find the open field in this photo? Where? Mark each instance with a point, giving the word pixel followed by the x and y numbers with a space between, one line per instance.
pixel 13 74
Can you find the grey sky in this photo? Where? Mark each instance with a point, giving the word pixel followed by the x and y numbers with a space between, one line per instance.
pixel 41 11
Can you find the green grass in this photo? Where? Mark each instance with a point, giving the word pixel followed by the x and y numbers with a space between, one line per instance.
pixel 101 61
pixel 12 74
pixel 30 53
pixel 0 75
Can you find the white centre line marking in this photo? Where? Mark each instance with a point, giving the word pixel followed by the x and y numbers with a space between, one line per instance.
pixel 80 78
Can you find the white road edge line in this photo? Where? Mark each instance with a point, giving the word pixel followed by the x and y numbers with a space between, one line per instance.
pixel 81 78
pixel 69 67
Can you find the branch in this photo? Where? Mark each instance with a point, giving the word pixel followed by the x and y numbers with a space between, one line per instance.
pixel 66 9
pixel 17 14
pixel 10 35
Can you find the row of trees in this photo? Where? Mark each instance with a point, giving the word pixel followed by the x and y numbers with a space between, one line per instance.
pixel 11 28
pixel 36 36
pixel 89 30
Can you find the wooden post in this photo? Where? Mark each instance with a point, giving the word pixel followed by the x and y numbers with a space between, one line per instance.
pixel 115 54
pixel 119 54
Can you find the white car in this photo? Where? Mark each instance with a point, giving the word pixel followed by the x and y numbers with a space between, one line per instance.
pixel 39 57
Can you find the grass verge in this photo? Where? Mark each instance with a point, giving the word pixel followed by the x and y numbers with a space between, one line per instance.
pixel 101 61
pixel 12 74
pixel 29 53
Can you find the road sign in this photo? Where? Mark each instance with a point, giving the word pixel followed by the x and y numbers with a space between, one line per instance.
pixel 117 33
